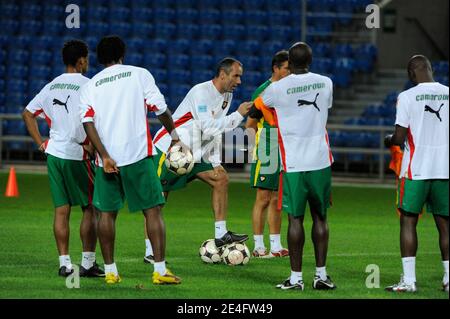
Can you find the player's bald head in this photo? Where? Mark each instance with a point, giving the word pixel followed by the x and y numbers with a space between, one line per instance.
pixel 300 56
pixel 418 67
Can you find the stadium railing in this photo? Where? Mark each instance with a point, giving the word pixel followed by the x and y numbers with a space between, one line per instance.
pixel 379 151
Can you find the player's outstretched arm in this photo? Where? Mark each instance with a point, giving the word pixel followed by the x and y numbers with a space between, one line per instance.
pixel 109 165
pixel 32 126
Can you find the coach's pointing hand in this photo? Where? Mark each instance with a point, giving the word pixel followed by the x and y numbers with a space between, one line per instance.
pixel 244 108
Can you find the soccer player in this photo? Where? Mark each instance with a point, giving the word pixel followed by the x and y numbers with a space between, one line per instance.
pixel 265 174
pixel 422 121
pixel 69 170
pixel 202 115
pixel 114 106
pixel 301 102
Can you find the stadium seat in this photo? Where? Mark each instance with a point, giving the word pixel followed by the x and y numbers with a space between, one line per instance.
pixel 281 33
pixel 52 27
pixel 256 17
pixel 201 76
pixel 184 4
pixel 41 57
pixel 141 15
pixel 30 11
pixel 165 31
pixel 10 10
pixel 155 61
pixel 97 13
pixel 226 47
pixel 144 30
pixel 250 47
pixel 210 31
pixel 207 4
pixel 122 29
pixel 31 27
pixel 156 45
pixel 179 77
pixel 52 12
pixel 96 27
pixel 160 75
pixel 231 17
pixel 119 14
pixel 9 26
pixel 251 62
pixel 135 45
pixel 201 62
pixel 233 32
pixel 252 79
pixel 17 71
pixel 134 59
pixel 187 16
pixel 210 16
pixel 181 46
pixel 41 71
pixel 278 18
pixel 187 31
pixel 164 15
pixel 259 33
pixel 179 61
pixel 201 47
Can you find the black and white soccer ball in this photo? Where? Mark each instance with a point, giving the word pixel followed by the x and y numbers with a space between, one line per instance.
pixel 179 161
pixel 236 254
pixel 209 253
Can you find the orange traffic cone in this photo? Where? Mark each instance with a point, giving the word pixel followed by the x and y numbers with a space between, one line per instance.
pixel 12 190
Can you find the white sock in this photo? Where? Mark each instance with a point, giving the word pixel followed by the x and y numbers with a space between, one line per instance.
pixel 321 272
pixel 148 248
pixel 409 270
pixel 275 242
pixel 111 268
pixel 221 228
pixel 160 267
pixel 296 277
pixel 259 242
pixel 64 260
pixel 445 263
pixel 87 259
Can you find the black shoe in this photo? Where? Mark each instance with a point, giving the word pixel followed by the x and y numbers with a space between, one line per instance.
pixel 320 284
pixel 149 259
pixel 229 238
pixel 64 272
pixel 287 285
pixel 94 271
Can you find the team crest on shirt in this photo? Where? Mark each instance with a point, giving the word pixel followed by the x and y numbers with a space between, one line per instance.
pixel 262 178
pixel 224 105
pixel 164 182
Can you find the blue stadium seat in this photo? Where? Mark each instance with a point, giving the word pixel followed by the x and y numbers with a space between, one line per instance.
pixel 35 86
pixel 226 47
pixel 187 31
pixel 201 47
pixel 279 17
pixel 40 71
pixel 252 79
pixel 281 33
pixel 322 65
pixel 31 27
pixel 14 100
pixel 122 29
pixel 343 50
pixel 20 42
pixel 156 45
pixel 41 57
pixel 249 47
pixel 164 15
pixel 97 13
pixel 53 27
pixel 180 46
pixel 179 61
pixel 367 50
pixel 185 15
pixel 273 46
pixel 185 4
pixel 119 14
pixel 259 33
pixel 210 16
pixel 134 58
pixel 342 79
pixel 321 49
pixel 233 32
pixel 135 45
pixel 18 57
pixel 252 62
pixel 165 31
pixel 230 17
pixel 52 12
pixel 179 76
pixel 30 11
pixel 210 31
pixel 141 15
pixel 344 65
pixel 2 87
pixel 391 98
pixel 16 86
pixel 204 62
pixel 201 76
pixel 179 90
pixel 155 61
pixel 207 4
pixel 144 30
pixel 96 27
pixel 160 75
pixel 10 10
pixel 256 17
pixel 252 4
pixel 9 26
pixel 17 71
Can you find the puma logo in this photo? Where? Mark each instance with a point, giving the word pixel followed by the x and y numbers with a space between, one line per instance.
pixel 303 102
pixel 58 102
pixel 429 109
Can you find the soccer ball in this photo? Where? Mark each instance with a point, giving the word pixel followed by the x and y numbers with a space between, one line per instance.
pixel 236 254
pixel 178 161
pixel 209 253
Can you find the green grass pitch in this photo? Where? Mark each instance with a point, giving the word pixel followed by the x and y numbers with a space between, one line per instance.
pixel 364 229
